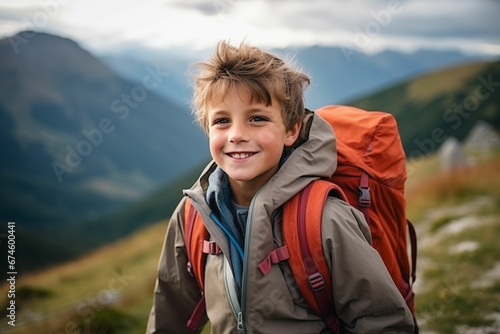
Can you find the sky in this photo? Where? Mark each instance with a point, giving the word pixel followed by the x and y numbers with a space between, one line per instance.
pixel 370 26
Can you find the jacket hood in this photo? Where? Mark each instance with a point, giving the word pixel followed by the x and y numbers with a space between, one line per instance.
pixel 313 157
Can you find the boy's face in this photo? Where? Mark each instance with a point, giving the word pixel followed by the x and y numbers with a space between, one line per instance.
pixel 247 138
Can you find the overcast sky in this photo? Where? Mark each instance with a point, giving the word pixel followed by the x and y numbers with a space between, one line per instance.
pixel 368 25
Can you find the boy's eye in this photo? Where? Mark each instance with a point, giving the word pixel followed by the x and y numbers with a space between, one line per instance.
pixel 258 119
pixel 220 121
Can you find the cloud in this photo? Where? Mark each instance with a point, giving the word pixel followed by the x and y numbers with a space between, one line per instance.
pixel 448 19
pixel 208 8
pixel 199 24
pixel 15 14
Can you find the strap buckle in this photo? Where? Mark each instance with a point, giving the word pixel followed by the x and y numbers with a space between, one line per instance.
pixel 189 268
pixel 211 247
pixel 364 197
pixel 316 281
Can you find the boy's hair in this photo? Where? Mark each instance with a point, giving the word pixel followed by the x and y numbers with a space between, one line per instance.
pixel 265 75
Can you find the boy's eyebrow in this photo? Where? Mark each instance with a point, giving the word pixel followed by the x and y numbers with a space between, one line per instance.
pixel 255 110
pixel 261 108
pixel 218 111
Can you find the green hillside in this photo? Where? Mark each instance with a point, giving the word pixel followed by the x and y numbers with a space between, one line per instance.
pixel 441 104
pixel 41 248
pixel 152 208
pixel 107 291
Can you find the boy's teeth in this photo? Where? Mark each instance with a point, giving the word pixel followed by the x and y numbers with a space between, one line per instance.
pixel 241 155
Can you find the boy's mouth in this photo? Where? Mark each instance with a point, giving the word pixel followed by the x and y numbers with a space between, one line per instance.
pixel 240 155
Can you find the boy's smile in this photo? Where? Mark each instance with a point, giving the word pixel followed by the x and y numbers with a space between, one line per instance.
pixel 247 140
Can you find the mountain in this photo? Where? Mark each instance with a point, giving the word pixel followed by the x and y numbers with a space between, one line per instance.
pixel 338 74
pixel 177 88
pixel 79 141
pixel 440 104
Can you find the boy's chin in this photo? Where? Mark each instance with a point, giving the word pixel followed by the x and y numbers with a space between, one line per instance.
pixel 240 178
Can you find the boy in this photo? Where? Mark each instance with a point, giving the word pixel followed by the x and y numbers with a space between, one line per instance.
pixel 267 147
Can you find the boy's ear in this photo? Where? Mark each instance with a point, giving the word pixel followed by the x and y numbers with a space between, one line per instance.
pixel 293 133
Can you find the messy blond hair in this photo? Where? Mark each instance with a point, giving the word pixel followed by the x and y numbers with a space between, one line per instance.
pixel 265 75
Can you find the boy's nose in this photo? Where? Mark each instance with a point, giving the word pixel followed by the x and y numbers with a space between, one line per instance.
pixel 237 133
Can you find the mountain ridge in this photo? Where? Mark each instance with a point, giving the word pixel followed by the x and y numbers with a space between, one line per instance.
pixel 336 78
pixel 81 143
pixel 70 122
pixel 442 103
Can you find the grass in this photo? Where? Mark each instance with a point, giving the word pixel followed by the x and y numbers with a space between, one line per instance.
pixel 108 291
pixel 453 296
pixel 429 187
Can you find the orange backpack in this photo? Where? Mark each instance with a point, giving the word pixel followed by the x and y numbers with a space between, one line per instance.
pixel 370 175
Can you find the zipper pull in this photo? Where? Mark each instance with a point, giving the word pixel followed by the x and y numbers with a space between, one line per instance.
pixel 240 323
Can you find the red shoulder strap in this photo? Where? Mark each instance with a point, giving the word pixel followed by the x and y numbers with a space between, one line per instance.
pixel 302 234
pixel 195 234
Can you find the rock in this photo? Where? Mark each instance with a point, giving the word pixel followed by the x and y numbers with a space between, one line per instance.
pixel 482 136
pixel 452 155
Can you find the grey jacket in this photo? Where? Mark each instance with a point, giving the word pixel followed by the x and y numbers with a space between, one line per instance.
pixel 366 299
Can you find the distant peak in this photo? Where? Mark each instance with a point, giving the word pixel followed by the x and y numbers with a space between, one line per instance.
pixel 24 37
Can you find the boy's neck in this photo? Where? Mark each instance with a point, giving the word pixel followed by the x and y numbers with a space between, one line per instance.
pixel 242 192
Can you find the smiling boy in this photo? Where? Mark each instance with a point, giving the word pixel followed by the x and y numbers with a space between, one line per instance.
pixel 266 147
pixel 247 140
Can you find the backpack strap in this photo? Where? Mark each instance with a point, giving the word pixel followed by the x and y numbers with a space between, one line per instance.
pixel 302 233
pixel 195 237
pixel 413 242
pixel 274 257
pixel 410 297
pixel 365 200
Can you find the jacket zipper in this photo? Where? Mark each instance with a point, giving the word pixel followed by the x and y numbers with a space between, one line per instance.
pixel 233 294
pixel 230 284
pixel 241 320
pixel 240 323
pixel 229 281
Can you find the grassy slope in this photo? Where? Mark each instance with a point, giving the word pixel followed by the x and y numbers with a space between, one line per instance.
pixel 109 289
pixel 452 289
pixel 41 248
pixel 457 216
